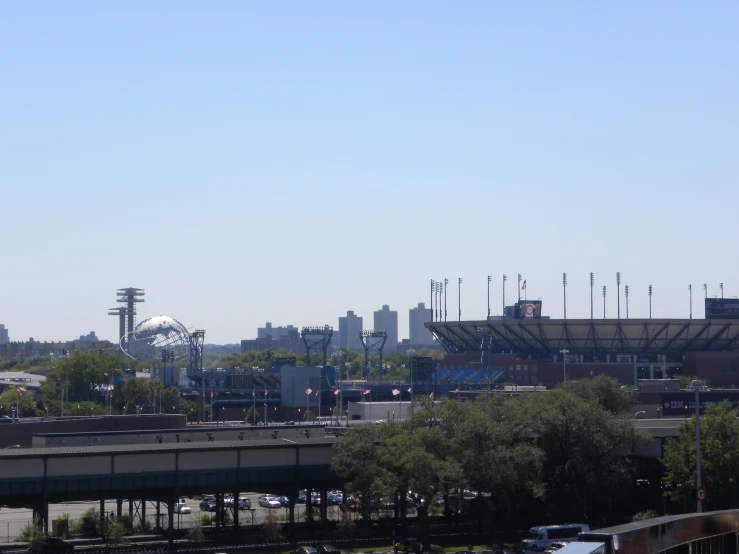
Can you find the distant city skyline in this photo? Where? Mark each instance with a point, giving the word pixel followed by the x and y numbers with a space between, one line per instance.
pixel 256 162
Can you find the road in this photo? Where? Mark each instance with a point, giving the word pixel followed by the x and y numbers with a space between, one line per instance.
pixel 13 520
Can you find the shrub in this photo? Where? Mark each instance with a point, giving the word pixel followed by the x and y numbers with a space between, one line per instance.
pixel 31 531
pixel 89 524
pixel 195 534
pixel 272 527
pixel 206 519
pixel 647 514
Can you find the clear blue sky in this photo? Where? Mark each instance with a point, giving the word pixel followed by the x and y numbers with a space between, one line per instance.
pixel 288 161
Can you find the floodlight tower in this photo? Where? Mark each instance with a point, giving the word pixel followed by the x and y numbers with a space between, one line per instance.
pixel 120 311
pixel 317 337
pixel 372 341
pixel 131 296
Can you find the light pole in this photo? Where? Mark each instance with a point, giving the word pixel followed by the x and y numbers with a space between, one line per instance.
pixel 696 386
pixel 721 286
pixel 592 282
pixel 564 353
pixel 505 278
pixel 705 289
pixel 489 279
pixel 446 288
pixel 626 294
pixel 690 291
pixel 459 297
pixel 618 295
pixel 519 288
pixel 441 293
pixel 564 292
pixel 436 294
pixel 431 301
pixel 604 301
pixel 650 301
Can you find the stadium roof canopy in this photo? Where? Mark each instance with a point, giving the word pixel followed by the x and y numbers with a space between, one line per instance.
pixel 671 337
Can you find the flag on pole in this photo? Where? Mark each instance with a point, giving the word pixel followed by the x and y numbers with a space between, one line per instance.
pixel 523 287
pixel 318 392
pixel 431 396
pixel 365 391
pixel 265 391
pixel 410 389
pixel 396 392
pixel 252 392
pixel 308 391
pixel 336 392
pixel 455 391
pixel 21 389
pixel 211 394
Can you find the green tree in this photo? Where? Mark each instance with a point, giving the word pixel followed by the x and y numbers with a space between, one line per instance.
pixel 15 397
pixel 84 371
pixel 252 416
pixel 719 460
pixel 605 391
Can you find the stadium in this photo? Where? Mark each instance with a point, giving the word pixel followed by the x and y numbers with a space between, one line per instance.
pixel 524 348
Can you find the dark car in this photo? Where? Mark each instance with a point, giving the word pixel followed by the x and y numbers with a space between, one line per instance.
pixel 409 544
pixel 208 506
pixel 50 545
pixel 304 550
pixel 284 501
pixel 328 549
pixel 301 497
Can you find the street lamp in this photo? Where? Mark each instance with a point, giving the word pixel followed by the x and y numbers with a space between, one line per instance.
pixel 650 301
pixel 697 386
pixel 564 291
pixel 564 353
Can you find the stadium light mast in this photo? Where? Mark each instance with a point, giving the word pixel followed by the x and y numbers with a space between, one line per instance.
pixel 705 289
pixel 459 297
pixel 505 278
pixel 519 288
pixel 690 291
pixel 432 299
pixel 564 353
pixel 441 293
pixel 446 288
pixel 618 295
pixel 436 295
pixel 604 301
pixel 592 282
pixel 564 292
pixel 650 301
pixel 490 278
pixel 721 286
pixel 626 294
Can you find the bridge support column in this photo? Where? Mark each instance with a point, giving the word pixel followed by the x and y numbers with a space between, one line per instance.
pixel 308 506
pixel 324 505
pixel 170 517
pixel 291 518
pixel 119 507
pixel 130 510
pixel 159 514
pixel 102 517
pixel 651 371
pixel 236 511
pixel 45 514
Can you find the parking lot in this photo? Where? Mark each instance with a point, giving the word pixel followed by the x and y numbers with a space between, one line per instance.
pixel 13 520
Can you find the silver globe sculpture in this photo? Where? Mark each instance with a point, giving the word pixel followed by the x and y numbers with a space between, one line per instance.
pixel 155 334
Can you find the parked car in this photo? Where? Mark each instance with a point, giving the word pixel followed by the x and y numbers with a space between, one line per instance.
pixel 408 544
pixel 244 503
pixel 182 508
pixel 301 497
pixel 284 501
pixel 328 549
pixel 50 545
pixel 304 550
pixel 333 499
pixel 208 506
pixel 269 502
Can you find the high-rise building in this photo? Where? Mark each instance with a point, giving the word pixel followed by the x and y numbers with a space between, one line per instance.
pixel 3 335
pixel 386 320
pixel 418 334
pixel 274 332
pixel 349 329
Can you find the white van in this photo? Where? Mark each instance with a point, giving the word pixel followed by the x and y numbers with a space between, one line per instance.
pixel 541 538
